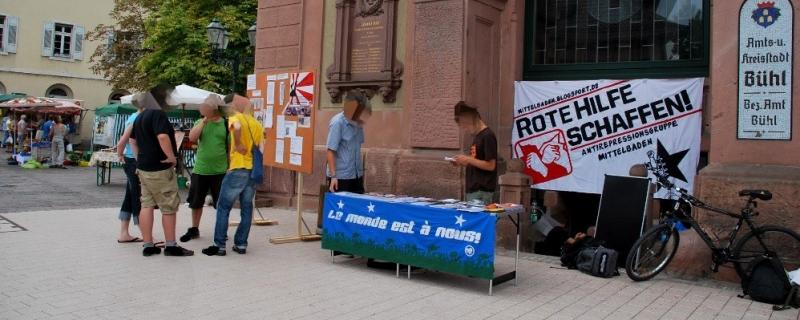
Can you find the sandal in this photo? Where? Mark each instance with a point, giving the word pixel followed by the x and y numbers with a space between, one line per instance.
pixel 134 239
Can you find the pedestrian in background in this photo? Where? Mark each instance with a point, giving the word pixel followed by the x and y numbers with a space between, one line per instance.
pixel 247 134
pixel 56 136
pixel 211 160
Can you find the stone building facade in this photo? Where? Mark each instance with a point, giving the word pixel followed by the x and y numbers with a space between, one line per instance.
pixel 474 50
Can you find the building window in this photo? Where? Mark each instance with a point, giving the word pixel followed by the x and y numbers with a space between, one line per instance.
pixel 62 40
pixel 592 39
pixel 2 31
pixel 59 91
pixel 2 88
pixel 116 96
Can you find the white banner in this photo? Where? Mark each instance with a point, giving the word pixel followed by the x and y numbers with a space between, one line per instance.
pixel 104 128
pixel 570 134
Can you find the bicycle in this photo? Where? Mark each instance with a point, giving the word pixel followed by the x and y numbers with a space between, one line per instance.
pixel 654 250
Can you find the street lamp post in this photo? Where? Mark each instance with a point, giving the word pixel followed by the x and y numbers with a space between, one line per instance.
pixel 218 39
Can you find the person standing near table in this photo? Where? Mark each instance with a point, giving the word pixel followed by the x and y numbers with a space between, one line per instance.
pixel 131 204
pixel 211 161
pixel 56 135
pixel 6 124
pixel 345 172
pixel 481 163
pixel 22 129
pixel 246 132
pixel 153 142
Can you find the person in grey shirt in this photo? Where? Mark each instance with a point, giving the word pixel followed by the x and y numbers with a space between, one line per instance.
pixel 345 171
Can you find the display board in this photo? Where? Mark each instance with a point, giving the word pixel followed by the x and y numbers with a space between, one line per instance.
pixel 620 218
pixel 284 104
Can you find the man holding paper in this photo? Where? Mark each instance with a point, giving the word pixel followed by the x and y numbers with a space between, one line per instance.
pixel 481 163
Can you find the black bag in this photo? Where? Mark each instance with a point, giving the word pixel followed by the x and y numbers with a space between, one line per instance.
pixel 766 281
pixel 598 261
pixel 570 252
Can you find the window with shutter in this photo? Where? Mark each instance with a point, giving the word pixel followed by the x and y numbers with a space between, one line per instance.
pixel 47 39
pixel 62 41
pixel 10 43
pixel 77 43
pixel 3 31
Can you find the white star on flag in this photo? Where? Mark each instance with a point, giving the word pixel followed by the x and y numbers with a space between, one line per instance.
pixel 340 204
pixel 460 220
pixel 371 207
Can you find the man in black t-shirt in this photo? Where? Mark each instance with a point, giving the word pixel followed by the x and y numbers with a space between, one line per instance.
pixel 153 142
pixel 481 163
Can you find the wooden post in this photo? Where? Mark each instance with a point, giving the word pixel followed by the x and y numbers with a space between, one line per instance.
pixel 300 236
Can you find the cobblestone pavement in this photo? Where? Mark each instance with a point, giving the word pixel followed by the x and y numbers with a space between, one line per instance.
pixel 67 265
pixel 48 189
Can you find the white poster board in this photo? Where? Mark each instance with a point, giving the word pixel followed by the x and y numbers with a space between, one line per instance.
pixel 765 70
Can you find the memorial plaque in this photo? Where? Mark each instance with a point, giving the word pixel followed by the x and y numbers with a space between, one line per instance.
pixel 364 54
pixel 766 59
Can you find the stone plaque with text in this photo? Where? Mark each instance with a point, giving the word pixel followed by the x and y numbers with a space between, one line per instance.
pixel 364 54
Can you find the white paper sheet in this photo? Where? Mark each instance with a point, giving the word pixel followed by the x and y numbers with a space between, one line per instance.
pixel 282 93
pixel 282 76
pixel 251 82
pixel 279 155
pixel 296 159
pixel 280 127
pixel 256 93
pixel 291 128
pixel 270 92
pixel 296 145
pixel 272 77
pixel 268 114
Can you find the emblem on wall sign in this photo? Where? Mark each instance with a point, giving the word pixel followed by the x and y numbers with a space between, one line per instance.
pixel 370 8
pixel 766 14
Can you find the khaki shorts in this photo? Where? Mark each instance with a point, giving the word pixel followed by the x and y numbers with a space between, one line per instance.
pixel 159 189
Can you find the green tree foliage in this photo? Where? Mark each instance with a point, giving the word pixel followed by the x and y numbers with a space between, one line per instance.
pixel 172 44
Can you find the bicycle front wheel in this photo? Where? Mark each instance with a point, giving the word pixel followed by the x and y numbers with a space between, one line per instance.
pixel 652 252
pixel 777 241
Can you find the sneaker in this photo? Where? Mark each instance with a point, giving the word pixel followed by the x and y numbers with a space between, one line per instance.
pixel 192 233
pixel 177 251
pixel 213 251
pixel 239 250
pixel 149 251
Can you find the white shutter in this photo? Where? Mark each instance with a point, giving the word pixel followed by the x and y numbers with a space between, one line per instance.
pixel 10 36
pixel 47 39
pixel 110 44
pixel 77 43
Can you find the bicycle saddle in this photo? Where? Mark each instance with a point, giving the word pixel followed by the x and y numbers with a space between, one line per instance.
pixel 758 194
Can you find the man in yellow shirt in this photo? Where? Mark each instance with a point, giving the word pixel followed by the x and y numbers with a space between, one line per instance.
pixel 246 133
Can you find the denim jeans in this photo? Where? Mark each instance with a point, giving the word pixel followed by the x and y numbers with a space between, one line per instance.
pixel 235 185
pixel 131 204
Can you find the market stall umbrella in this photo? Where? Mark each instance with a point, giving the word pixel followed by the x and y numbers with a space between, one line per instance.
pixel 67 107
pixel 184 95
pixel 9 96
pixel 30 102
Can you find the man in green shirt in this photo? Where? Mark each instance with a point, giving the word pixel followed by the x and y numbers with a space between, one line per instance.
pixel 211 160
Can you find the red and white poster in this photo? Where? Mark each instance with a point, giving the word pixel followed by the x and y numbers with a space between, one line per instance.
pixel 570 134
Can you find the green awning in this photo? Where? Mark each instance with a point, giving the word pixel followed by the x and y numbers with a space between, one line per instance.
pixel 126 108
pixel 10 96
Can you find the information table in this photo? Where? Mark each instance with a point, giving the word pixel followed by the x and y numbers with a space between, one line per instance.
pixel 444 236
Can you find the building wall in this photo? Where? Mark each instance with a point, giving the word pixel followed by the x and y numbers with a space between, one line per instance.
pixel 27 71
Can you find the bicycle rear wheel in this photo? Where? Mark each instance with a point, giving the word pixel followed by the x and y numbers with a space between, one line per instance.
pixel 652 252
pixel 779 241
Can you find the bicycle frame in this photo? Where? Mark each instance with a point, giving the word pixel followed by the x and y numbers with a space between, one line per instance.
pixel 720 254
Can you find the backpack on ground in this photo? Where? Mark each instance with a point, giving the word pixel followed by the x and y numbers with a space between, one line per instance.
pixel 598 261
pixel 765 280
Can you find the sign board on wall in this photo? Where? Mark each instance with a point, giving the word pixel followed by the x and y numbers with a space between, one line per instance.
pixel 284 104
pixel 570 134
pixel 765 70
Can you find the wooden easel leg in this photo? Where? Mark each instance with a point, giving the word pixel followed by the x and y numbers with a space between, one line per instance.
pixel 300 236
